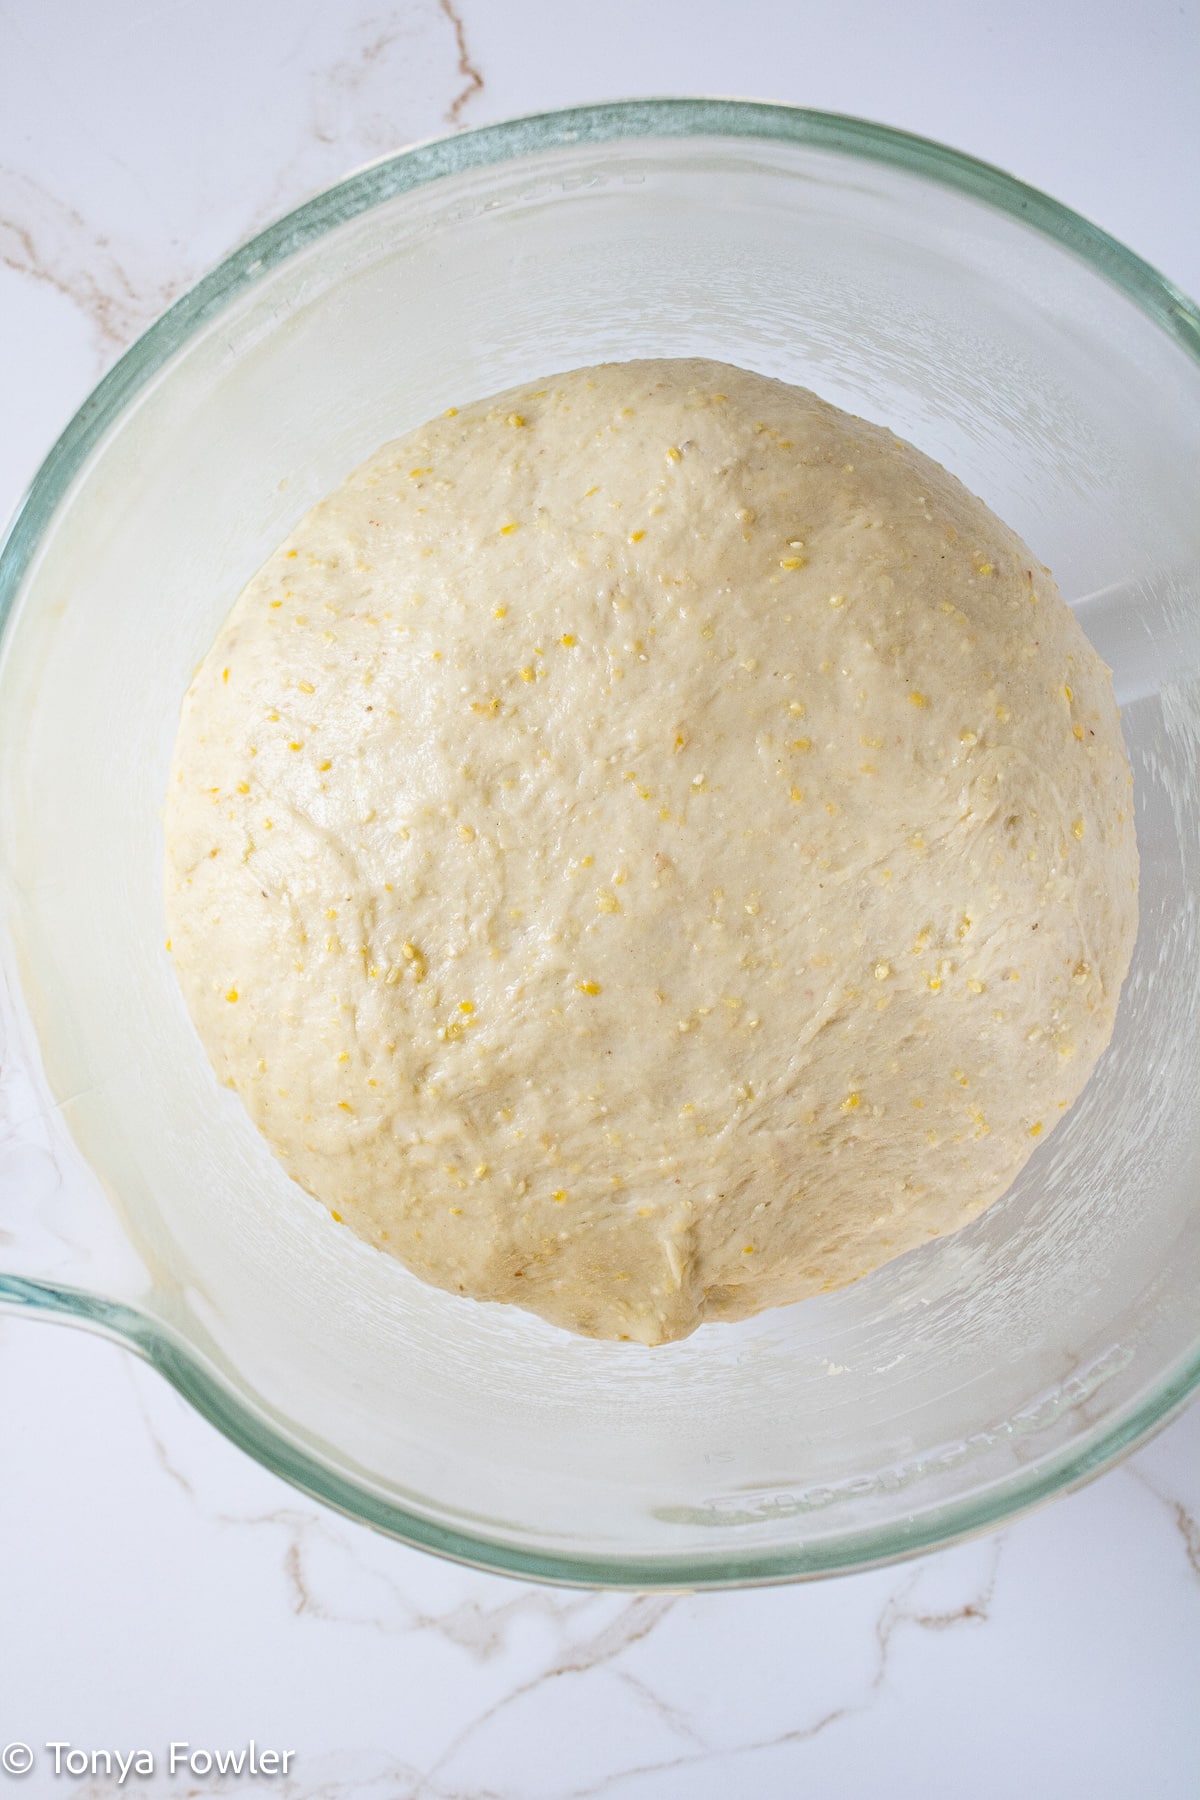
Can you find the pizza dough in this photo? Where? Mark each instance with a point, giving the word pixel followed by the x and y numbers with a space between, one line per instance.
pixel 651 847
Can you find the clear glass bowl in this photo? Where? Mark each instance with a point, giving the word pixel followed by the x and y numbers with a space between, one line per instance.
pixel 1045 365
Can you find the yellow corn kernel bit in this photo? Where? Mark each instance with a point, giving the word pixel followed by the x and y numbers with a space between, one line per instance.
pixel 1077 828
pixel 1068 692
pixel 796 795
pixel 306 687
pixel 747 1249
pixel 231 995
pixel 558 1196
pixel 295 744
pixel 345 1106
pixel 516 420
pixel 975 987
pixel 934 984
pixel 324 766
pixel 526 674
pixel 335 1216
pixel 292 554
pixel 587 987
pixel 224 674
pixel 507 530
pixel 168 943
pixel 837 599
pixel 635 537
pixel 467 833
pixel 1036 1130
pixel 466 1006
pixel 1077 732
pixel 882 971
pixel 416 957
pixel 851 1102
pixel 985 568
pixel 674 455
pixel 568 641
pixel 1003 714
pixel 917 699
pixel 243 787
pixel 791 562
pixel 277 603
pixel 968 737
pixel 606 902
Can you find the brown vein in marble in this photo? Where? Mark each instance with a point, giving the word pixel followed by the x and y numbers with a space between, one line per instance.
pixel 121 287
pixel 637 1619
pixel 341 116
pixel 52 243
pixel 895 1615
pixel 1186 1524
pixel 342 83
pixel 480 1630
pixel 472 78
pixel 483 1632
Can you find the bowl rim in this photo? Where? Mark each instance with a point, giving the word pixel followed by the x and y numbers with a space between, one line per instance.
pixel 181 1362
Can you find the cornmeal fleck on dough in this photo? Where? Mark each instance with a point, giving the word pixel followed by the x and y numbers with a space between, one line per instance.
pixel 651 847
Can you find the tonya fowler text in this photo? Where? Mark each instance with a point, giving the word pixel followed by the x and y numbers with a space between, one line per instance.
pixel 62 1758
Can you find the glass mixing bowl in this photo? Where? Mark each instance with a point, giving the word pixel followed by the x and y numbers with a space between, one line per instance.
pixel 1042 363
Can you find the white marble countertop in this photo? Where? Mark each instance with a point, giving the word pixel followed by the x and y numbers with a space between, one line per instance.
pixel 160 1587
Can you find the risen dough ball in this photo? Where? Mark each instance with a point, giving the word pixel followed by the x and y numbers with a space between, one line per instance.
pixel 651 847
